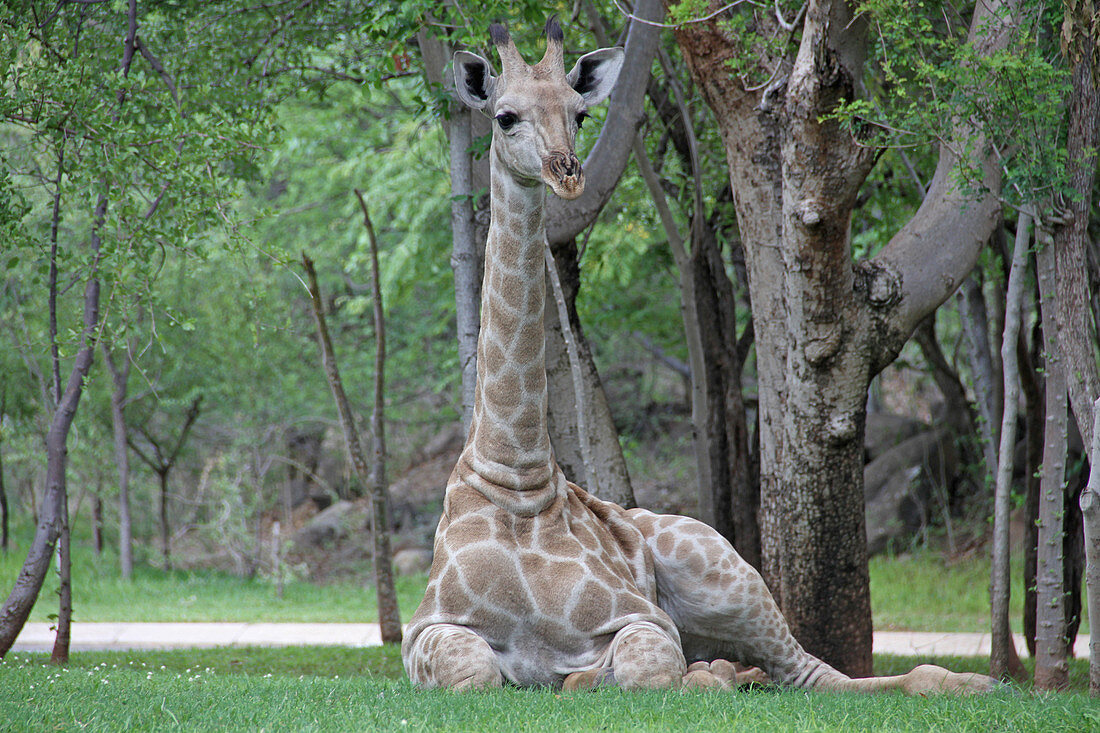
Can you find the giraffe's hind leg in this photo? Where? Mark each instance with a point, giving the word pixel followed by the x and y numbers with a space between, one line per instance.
pixel 723 609
pixel 447 655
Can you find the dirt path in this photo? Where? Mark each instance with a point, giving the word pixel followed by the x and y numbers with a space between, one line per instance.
pixel 37 637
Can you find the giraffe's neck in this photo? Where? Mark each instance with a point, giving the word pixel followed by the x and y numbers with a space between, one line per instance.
pixel 508 445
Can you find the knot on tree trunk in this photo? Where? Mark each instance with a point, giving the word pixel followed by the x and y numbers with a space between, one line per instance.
pixel 822 343
pixel 880 285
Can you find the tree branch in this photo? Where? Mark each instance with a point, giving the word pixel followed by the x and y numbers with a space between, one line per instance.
pixel 605 163
pixel 939 245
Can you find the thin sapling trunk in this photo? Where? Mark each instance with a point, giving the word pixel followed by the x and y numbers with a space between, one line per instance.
pixel 1051 668
pixel 1003 661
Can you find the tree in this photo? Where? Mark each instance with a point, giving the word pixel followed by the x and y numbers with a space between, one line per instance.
pixel 372 477
pixel 160 456
pixel 1051 649
pixel 134 146
pixel 824 327
pixel 1078 359
pixel 120 376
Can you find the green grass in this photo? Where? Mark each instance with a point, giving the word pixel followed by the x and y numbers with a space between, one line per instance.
pixel 922 592
pixel 357 690
pixel 100 594
pixel 917 592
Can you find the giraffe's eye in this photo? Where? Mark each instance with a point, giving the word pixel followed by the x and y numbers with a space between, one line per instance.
pixel 506 120
pixel 581 117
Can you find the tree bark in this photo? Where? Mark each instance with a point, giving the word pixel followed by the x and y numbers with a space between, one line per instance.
pixel 1051 649
pixel 1076 332
pixel 120 376
pixel 1003 652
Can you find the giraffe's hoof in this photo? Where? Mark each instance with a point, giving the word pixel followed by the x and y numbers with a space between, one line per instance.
pixel 702 679
pixel 753 676
pixel 589 679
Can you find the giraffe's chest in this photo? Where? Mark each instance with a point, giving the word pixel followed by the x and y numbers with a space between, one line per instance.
pixel 547 592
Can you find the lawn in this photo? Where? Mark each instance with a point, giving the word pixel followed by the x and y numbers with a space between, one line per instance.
pixel 321 689
pixel 100 594
pixel 917 592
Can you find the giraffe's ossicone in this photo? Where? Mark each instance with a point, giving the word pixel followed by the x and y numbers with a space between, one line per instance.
pixel 534 581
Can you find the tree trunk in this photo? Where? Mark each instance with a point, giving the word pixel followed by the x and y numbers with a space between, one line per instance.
pixel 1076 332
pixel 609 466
pixel 1034 435
pixel 1003 661
pixel 822 331
pixel 17 607
pixel 352 442
pixel 165 529
pixel 975 322
pixel 580 392
pixel 1051 651
pixel 389 616
pixel 1090 515
pixel 97 523
pixel 561 414
pixel 3 489
pixel 120 376
pixel 466 260
pixel 60 653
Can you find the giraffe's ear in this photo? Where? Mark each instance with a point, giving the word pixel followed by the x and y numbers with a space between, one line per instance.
pixel 595 74
pixel 474 79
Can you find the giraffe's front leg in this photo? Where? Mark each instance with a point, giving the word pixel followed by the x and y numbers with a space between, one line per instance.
pixel 645 656
pixel 447 655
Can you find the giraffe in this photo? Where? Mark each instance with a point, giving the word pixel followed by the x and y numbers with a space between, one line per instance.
pixel 535 582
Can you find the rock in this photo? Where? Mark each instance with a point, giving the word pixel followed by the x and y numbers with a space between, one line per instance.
pixel 412 560
pixel 330 525
pixel 899 484
pixel 886 431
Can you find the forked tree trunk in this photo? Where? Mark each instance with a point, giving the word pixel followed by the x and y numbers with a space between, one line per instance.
pixel 17 607
pixel 388 617
pixel 1051 667
pixel 822 328
pixel 1003 661
pixel 162 460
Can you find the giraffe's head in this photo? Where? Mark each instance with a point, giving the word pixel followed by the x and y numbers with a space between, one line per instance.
pixel 537 109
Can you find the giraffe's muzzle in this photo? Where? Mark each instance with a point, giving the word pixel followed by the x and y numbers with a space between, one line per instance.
pixel 562 173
